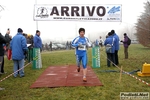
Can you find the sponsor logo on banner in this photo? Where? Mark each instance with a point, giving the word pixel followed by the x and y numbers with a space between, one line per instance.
pixel 78 12
pixel 114 10
pixel 42 12
pixel 113 13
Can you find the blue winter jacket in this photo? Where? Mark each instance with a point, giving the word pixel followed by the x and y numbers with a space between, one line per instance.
pixel 110 40
pixel 18 45
pixel 117 46
pixel 37 42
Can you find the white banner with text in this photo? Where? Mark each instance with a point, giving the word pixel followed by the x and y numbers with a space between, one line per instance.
pixel 96 13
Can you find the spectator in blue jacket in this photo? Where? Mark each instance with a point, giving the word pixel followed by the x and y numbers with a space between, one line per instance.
pixel 37 40
pixel 110 40
pixel 18 46
pixel 117 46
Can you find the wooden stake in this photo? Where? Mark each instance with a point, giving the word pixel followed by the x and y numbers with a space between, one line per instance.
pixel 120 75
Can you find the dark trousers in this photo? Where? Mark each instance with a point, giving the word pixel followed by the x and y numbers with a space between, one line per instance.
pixel 2 64
pixel 50 48
pixel 116 57
pixel 110 58
pixel 126 52
pixel 101 45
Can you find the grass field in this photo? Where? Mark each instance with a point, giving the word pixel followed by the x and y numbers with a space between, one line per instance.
pixel 18 88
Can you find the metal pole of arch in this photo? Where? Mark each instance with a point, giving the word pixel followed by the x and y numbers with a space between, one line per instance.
pixel 36 21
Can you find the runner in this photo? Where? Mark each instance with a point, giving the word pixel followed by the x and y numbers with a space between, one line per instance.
pixel 80 43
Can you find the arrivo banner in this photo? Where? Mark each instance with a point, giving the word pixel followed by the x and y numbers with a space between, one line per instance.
pixel 97 13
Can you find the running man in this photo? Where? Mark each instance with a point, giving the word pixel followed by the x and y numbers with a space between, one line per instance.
pixel 80 43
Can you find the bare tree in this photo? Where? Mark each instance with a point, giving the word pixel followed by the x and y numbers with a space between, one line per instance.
pixel 1 8
pixel 143 26
pixel 130 30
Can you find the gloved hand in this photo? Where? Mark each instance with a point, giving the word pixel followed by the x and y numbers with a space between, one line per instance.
pixel 81 46
pixel 26 52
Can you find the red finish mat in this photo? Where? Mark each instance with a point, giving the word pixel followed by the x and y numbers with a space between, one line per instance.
pixel 57 76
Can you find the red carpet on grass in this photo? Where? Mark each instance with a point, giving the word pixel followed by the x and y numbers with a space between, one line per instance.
pixel 57 76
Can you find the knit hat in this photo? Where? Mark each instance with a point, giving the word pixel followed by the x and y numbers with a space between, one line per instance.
pixel 20 30
pixel 112 31
pixel 109 33
pixel 124 34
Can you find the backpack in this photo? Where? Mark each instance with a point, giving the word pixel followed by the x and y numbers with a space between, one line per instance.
pixel 129 41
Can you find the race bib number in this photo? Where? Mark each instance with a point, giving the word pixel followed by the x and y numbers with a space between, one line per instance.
pixel 82 48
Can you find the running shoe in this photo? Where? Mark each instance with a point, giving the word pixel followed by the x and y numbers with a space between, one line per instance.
pixel 84 79
pixel 78 69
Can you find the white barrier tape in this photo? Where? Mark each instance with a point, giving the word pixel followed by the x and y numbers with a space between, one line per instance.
pixel 15 72
pixel 129 73
pixel 137 78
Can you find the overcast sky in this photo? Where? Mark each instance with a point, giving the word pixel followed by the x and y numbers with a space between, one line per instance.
pixel 19 13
